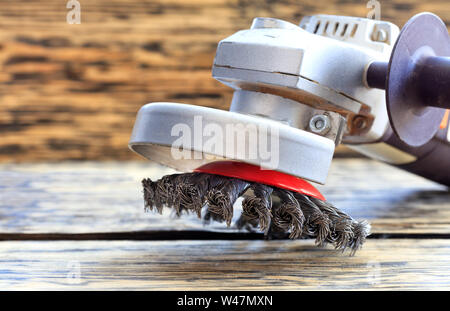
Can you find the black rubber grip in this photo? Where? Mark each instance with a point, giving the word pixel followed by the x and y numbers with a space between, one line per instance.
pixel 429 80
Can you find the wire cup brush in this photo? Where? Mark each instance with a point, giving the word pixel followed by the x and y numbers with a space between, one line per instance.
pixel 299 91
pixel 278 203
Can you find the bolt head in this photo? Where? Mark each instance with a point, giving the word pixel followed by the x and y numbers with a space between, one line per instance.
pixel 319 124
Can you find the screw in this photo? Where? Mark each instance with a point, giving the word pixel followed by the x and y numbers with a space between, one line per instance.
pixel 319 124
pixel 359 122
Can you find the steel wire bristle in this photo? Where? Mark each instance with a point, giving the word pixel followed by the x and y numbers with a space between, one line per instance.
pixel 220 200
pixel 259 206
pixel 288 215
pixel 318 224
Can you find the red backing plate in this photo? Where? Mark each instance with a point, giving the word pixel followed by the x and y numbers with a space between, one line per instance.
pixel 254 173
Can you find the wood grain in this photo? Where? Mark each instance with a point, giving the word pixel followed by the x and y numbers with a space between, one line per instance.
pixel 72 91
pixel 107 197
pixel 223 265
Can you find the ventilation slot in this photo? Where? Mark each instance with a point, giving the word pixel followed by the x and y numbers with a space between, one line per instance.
pixel 344 30
pixel 336 26
pixel 355 28
pixel 326 27
pixel 317 27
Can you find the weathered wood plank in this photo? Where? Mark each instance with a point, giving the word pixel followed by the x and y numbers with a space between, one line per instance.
pixel 107 197
pixel 72 91
pixel 223 265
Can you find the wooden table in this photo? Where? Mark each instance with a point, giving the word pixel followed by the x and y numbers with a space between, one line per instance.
pixel 82 226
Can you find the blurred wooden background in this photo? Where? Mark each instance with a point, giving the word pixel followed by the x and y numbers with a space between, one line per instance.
pixel 72 91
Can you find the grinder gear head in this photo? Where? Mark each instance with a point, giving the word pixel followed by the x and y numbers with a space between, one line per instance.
pixel 285 77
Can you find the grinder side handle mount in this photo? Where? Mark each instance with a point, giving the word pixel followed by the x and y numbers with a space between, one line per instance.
pixel 417 84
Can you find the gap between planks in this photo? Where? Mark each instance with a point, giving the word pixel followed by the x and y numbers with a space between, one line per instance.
pixel 184 235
